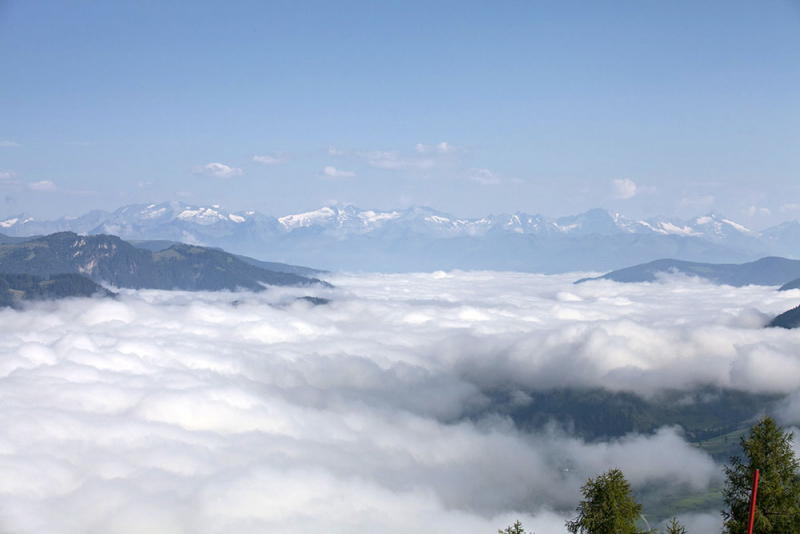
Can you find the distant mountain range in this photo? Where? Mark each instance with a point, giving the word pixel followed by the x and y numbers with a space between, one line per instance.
pixel 109 259
pixel 420 238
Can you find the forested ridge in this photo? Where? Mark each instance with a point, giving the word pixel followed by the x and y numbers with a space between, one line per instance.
pixel 15 288
pixel 109 259
pixel 592 414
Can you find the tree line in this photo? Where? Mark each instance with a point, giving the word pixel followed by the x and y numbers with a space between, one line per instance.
pixel 608 505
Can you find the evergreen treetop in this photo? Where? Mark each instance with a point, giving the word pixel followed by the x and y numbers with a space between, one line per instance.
pixel 768 448
pixel 607 508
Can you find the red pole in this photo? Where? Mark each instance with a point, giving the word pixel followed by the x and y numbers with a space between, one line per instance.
pixel 753 502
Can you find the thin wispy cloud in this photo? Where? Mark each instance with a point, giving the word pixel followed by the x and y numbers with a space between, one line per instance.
pixel 44 186
pixel 218 170
pixel 9 144
pixel 333 172
pixel 7 176
pixel 276 158
pixel 753 211
pixel 394 160
pixel 484 177
pixel 439 148
pixel 423 158
pixel 699 203
pixel 624 188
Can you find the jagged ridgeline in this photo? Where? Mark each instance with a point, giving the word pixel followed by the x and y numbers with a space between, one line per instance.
pixel 109 259
pixel 15 288
pixel 419 238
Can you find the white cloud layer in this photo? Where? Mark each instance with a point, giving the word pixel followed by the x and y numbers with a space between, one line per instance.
pixel 218 170
pixel 184 413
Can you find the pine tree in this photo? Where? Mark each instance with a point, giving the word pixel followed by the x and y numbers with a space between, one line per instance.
pixel 673 527
pixel 516 528
pixel 769 449
pixel 608 506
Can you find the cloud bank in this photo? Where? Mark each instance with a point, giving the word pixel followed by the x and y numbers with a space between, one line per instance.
pixel 210 413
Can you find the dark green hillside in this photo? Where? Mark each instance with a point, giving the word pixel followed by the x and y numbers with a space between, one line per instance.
pixel 792 284
pixel 159 245
pixel 281 267
pixel 102 258
pixel 19 287
pixel 771 271
pixel 191 267
pixel 105 258
pixel 788 319
pixel 600 414
pixel 5 239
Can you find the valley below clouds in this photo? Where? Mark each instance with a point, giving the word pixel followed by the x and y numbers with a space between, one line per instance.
pixel 176 412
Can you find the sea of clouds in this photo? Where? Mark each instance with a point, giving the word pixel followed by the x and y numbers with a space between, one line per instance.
pixel 174 412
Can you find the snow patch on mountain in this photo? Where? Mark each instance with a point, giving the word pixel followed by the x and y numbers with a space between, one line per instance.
pixel 308 218
pixel 347 237
pixel 154 213
pixel 152 221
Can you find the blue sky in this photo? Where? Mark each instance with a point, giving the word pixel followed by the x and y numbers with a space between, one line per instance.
pixel 645 107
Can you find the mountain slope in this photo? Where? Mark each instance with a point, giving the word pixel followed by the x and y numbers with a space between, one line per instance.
pixel 15 288
pixel 769 271
pixel 159 245
pixel 788 319
pixel 111 260
pixel 7 240
pixel 791 284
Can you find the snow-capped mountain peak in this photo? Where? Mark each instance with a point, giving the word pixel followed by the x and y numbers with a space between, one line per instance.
pixel 309 237
pixel 308 218
pixel 143 220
